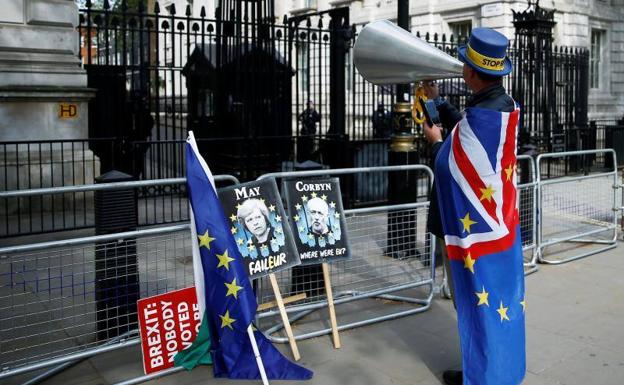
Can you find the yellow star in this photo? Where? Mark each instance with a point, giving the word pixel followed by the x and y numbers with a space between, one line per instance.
pixel 310 236
pixel 483 297
pixel 503 312
pixel 271 208
pixel 233 230
pixel 226 320
pixel 298 206
pixel 301 228
pixel 251 248
pixel 332 205
pixel 336 215
pixel 224 260
pixel 469 263
pixel 232 288
pixel 278 218
pixel 296 218
pixel 509 171
pixel 467 222
pixel 238 206
pixel 523 303
pixel 304 198
pixel 486 193
pixel 324 197
pixel 313 195
pixel 204 240
pixel 240 241
pixel 232 217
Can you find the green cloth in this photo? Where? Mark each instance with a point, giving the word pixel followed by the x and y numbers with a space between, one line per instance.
pixel 199 351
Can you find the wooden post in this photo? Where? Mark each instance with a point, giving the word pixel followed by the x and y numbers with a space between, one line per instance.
pixel 282 309
pixel 330 305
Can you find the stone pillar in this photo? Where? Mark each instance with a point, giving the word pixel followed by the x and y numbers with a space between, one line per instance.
pixel 43 87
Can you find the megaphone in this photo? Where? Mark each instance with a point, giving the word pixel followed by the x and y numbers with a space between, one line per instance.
pixel 387 54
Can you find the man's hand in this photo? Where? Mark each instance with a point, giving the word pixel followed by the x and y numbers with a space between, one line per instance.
pixel 432 133
pixel 431 89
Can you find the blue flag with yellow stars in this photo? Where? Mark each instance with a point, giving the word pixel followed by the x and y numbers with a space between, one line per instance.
pixel 225 295
pixel 475 173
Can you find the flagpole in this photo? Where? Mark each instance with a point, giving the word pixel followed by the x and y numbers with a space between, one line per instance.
pixel 254 346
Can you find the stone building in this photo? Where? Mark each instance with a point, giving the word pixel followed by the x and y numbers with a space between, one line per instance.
pixel 597 25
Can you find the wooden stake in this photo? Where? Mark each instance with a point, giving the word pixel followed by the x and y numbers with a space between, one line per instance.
pixel 282 309
pixel 330 305
pixel 287 300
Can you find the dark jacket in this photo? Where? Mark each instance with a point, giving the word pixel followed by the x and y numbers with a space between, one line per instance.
pixel 493 98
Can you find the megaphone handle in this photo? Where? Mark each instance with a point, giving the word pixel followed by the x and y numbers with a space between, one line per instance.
pixel 418 115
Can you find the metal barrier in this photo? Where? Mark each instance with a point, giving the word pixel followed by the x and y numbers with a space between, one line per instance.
pixel 578 208
pixel 370 273
pixel 49 311
pixel 527 205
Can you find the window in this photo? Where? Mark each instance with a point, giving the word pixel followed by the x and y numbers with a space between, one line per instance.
pixel 304 66
pixel 595 59
pixel 461 30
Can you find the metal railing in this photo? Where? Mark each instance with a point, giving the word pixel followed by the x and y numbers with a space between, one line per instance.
pixel 576 209
pixel 372 271
pixel 51 310
pixel 49 298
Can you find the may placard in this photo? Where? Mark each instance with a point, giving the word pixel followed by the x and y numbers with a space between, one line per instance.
pixel 317 219
pixel 259 226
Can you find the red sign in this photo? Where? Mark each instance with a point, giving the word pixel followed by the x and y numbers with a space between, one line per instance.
pixel 168 323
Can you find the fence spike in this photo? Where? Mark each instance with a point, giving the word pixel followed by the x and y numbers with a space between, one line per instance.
pixel 188 10
pixel 417 33
pixel 285 20
pixel 308 22
pixel 435 37
pixel 105 5
pixel 444 38
pixel 156 7
pixel 124 5
pixel 202 12
pixel 141 6
pixel 172 10
pixel 427 36
pixel 320 22
pixel 88 4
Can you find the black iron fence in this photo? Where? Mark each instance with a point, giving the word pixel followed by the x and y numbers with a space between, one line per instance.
pixel 243 83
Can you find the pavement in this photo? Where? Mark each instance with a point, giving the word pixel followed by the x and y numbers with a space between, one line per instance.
pixel 575 336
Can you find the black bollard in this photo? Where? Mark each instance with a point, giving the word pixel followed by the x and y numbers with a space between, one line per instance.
pixel 116 268
pixel 401 232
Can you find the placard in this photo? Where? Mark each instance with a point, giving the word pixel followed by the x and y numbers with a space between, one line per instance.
pixel 317 219
pixel 168 323
pixel 259 226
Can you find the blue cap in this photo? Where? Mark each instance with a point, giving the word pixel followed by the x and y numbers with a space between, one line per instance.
pixel 486 52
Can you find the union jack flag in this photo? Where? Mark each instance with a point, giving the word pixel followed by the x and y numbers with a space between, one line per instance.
pixel 476 185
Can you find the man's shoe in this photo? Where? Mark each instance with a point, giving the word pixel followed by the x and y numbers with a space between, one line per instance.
pixel 452 377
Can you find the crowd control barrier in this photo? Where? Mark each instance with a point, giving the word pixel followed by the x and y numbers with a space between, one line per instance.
pixel 51 312
pixel 48 297
pixel 370 273
pixel 578 207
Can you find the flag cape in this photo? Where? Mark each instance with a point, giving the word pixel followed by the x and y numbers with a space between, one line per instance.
pixel 475 173
pixel 225 296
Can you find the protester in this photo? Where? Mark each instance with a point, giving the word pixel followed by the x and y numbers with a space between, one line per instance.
pixel 474 215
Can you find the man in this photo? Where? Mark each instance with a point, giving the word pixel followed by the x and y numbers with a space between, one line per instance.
pixel 473 213
pixel 381 123
pixel 319 212
pixel 308 118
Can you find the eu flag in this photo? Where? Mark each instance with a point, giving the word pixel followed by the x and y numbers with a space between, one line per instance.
pixel 225 294
pixel 475 174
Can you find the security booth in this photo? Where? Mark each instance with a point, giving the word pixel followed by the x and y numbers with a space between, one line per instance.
pixel 200 73
pixel 242 130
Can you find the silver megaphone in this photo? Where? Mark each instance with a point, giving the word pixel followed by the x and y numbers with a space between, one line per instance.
pixel 387 54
